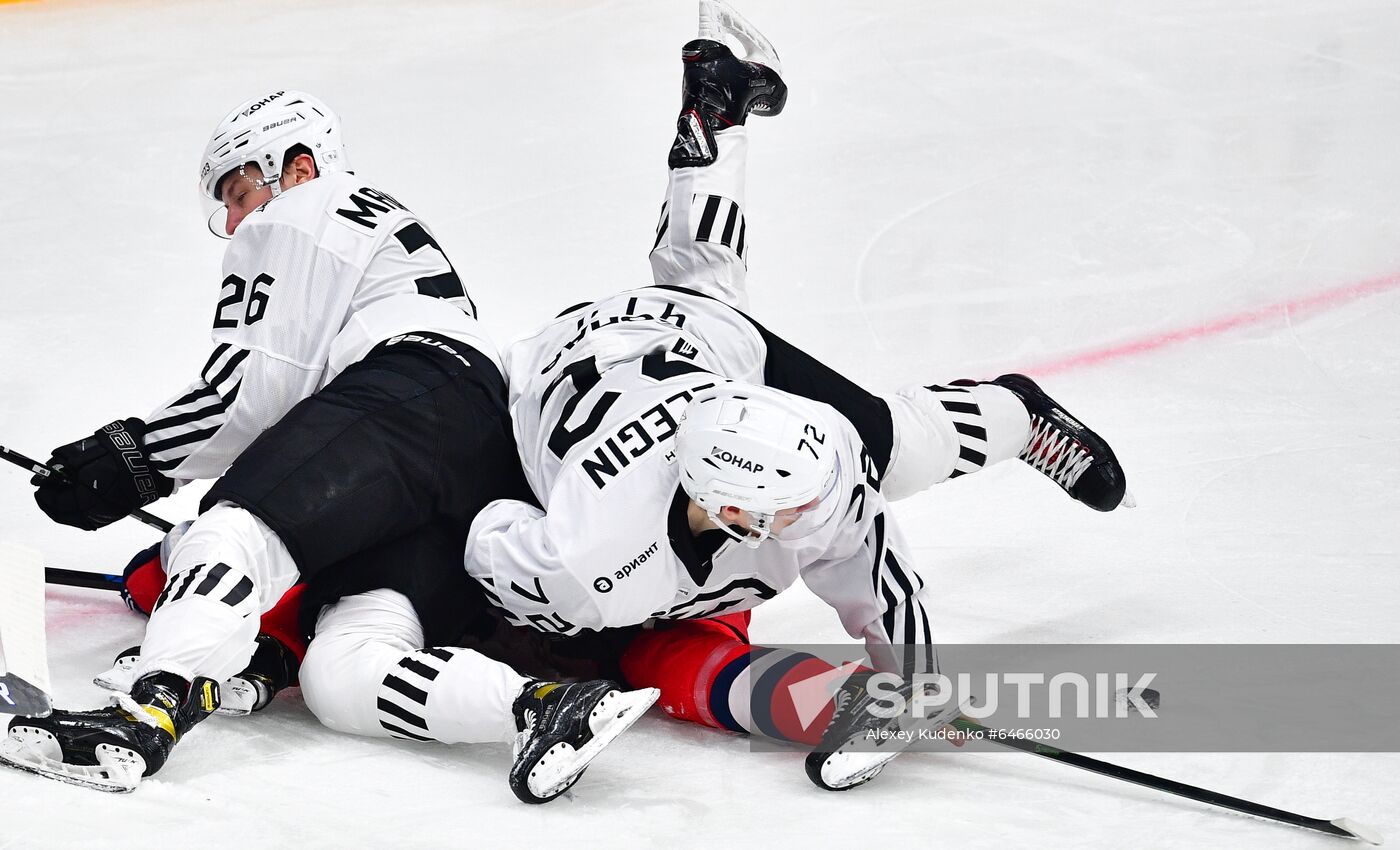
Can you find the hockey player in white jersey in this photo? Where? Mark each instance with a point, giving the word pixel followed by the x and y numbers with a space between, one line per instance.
pixel 693 464
pixel 354 414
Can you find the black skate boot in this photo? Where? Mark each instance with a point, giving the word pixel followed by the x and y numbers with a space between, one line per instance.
pixel 1066 452
pixel 111 749
pixel 563 727
pixel 719 91
pixel 858 742
pixel 273 668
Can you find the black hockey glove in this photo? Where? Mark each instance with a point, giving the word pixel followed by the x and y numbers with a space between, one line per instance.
pixel 101 478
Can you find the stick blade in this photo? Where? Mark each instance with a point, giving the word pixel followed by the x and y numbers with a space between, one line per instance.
pixel 1359 830
pixel 24 664
pixel 20 697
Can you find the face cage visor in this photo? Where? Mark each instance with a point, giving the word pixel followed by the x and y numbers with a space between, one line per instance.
pixel 788 524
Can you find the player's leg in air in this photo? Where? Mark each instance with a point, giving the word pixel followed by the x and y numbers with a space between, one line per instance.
pixel 922 434
pixel 707 671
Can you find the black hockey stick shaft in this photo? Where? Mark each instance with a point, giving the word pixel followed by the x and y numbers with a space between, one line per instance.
pixel 79 578
pixel 1171 786
pixel 38 468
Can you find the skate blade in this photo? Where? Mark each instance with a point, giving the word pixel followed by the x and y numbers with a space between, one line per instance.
pixel 718 20
pixel 1128 500
pixel 118 679
pixel 1359 830
pixel 844 769
pixel 613 715
pixel 237 698
pixel 118 770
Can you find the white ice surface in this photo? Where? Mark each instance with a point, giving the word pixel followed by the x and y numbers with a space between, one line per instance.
pixel 955 189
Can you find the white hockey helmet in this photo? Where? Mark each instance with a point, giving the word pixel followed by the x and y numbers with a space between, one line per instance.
pixel 262 130
pixel 762 451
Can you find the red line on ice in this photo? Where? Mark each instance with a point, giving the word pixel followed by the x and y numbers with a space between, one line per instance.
pixel 1325 300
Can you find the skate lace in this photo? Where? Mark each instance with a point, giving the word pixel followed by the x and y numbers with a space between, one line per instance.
pixel 1055 453
pixel 137 711
pixel 841 699
pixel 523 736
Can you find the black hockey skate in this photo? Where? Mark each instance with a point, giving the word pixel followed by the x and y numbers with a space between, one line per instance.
pixel 1066 452
pixel 719 91
pixel 563 727
pixel 272 668
pixel 858 742
pixel 111 749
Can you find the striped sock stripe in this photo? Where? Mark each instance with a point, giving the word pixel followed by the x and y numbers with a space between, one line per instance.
pixel 398 732
pixel 240 592
pixel 966 414
pixel 416 694
pixel 662 225
pixel 403 714
pixel 212 580
pixel 720 209
pixel 403 695
pixel 210 583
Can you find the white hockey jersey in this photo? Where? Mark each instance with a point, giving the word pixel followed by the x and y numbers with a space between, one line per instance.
pixel 596 396
pixel 313 280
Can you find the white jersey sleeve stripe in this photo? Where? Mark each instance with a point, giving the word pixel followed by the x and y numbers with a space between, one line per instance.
pixel 173 423
pixel 219 351
pixel 232 393
pixel 157 447
pixel 229 367
pixel 197 392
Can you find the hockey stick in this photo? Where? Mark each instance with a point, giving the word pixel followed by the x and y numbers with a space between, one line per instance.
pixel 40 469
pixel 79 578
pixel 1342 827
pixel 24 665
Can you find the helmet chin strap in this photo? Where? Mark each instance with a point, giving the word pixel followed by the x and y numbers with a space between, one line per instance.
pixel 274 183
pixel 751 539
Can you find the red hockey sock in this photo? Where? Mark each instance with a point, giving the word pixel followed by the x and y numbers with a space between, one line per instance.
pixel 281 622
pixel 684 658
pixel 145 579
pixel 709 674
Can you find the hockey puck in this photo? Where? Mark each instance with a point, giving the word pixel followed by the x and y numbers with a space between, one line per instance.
pixel 1149 697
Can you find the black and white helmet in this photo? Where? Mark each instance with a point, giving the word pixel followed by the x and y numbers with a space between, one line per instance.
pixel 262 130
pixel 762 451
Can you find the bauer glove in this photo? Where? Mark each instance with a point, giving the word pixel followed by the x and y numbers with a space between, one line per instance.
pixel 101 478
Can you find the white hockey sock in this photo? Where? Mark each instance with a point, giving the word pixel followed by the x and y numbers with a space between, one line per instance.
pixel 226 570
pixel 365 673
pixel 702 239
pixel 449 694
pixel 942 432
